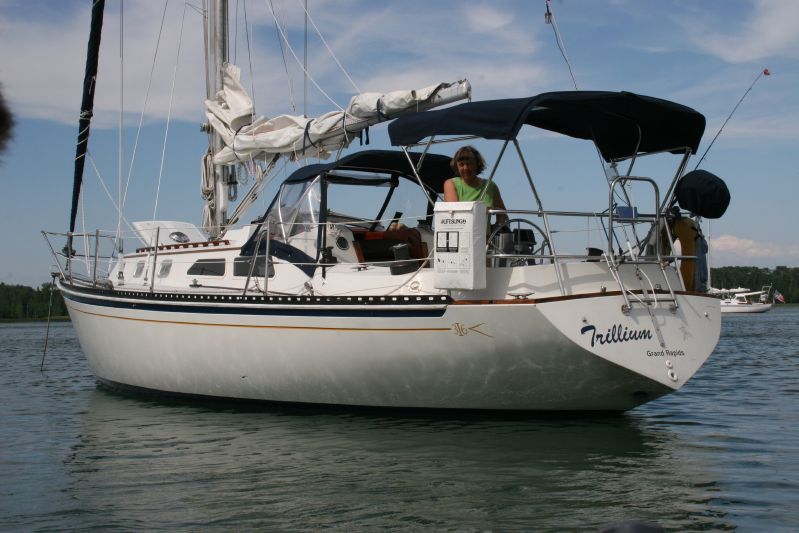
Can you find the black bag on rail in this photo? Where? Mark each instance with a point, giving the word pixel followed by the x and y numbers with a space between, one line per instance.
pixel 703 194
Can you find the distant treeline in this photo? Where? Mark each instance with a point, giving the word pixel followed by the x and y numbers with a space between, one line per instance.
pixel 782 279
pixel 18 302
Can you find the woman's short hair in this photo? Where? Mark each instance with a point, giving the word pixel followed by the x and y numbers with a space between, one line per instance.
pixel 463 151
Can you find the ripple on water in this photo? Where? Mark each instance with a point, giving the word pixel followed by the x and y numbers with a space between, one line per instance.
pixel 719 455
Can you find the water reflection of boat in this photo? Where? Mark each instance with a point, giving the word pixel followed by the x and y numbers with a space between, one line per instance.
pixel 194 467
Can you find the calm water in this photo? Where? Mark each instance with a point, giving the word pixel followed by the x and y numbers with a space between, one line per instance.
pixel 722 454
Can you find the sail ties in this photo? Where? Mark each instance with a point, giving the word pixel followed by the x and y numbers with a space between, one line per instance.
pixel 307 135
pixel 207 190
pixel 207 175
pixel 380 115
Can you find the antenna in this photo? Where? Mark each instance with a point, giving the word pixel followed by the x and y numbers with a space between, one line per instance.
pixel 760 74
pixel 549 18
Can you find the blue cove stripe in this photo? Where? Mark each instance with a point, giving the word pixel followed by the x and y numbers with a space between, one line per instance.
pixel 372 310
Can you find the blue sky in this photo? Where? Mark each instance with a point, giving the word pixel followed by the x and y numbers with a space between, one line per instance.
pixel 701 54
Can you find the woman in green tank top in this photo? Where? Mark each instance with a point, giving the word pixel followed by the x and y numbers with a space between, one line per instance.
pixel 467 186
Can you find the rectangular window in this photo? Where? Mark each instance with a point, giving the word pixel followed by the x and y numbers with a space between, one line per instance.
pixel 139 269
pixel 241 267
pixel 166 267
pixel 208 267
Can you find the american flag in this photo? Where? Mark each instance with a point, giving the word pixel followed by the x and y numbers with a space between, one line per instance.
pixel 778 297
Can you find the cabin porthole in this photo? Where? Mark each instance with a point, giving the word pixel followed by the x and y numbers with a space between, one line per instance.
pixel 179 236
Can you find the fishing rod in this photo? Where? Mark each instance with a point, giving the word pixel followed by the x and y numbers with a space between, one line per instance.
pixel 760 74
pixel 764 72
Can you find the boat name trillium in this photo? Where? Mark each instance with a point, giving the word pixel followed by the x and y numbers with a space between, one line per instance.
pixel 615 334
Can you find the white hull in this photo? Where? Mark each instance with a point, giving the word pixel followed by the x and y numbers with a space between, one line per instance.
pixel 745 308
pixel 744 301
pixel 327 298
pixel 508 356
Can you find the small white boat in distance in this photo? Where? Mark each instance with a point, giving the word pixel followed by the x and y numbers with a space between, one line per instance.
pixel 746 301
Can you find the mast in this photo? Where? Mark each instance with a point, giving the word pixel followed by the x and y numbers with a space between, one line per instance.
pixel 86 111
pixel 223 178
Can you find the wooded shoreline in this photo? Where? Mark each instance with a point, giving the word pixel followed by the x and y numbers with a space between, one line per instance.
pixel 21 303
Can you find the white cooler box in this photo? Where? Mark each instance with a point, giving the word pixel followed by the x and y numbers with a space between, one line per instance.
pixel 460 245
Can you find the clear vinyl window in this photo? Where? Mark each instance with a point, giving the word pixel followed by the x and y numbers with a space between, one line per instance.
pixel 207 267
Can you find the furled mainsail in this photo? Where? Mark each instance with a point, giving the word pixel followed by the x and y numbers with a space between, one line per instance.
pixel 230 114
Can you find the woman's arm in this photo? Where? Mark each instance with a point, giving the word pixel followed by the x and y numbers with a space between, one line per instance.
pixel 450 194
pixel 499 204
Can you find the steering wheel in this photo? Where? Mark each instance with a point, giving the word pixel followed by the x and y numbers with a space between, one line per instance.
pixel 397 216
pixel 541 245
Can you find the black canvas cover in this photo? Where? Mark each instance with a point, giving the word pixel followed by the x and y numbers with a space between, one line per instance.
pixel 489 119
pixel 621 124
pixel 703 194
pixel 434 172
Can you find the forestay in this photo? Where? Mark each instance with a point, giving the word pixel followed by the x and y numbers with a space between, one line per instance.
pixel 231 112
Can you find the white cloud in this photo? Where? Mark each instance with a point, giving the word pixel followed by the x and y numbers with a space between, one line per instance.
pixel 485 19
pixel 396 45
pixel 778 128
pixel 385 47
pixel 771 29
pixel 45 78
pixel 767 112
pixel 732 250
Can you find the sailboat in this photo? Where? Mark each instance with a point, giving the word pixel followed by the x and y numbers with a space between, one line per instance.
pixel 742 300
pixel 319 300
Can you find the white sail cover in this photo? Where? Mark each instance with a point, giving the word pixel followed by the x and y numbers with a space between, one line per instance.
pixel 230 114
